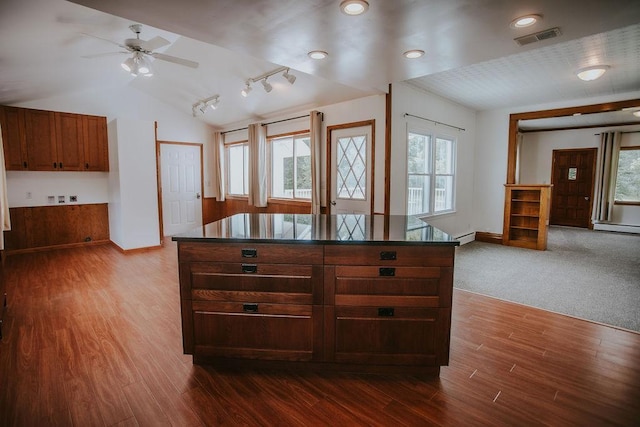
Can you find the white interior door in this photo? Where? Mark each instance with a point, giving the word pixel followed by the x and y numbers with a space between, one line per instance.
pixel 181 188
pixel 351 171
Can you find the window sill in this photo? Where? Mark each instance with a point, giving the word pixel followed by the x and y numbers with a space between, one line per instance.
pixel 295 202
pixel 624 203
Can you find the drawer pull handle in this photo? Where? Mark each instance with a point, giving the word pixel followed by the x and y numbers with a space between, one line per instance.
pixel 249 268
pixel 385 312
pixel 249 253
pixel 387 271
pixel 250 308
pixel 388 255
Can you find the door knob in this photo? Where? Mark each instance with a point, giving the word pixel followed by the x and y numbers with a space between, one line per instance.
pixel 333 203
pixel 586 197
pixel 197 195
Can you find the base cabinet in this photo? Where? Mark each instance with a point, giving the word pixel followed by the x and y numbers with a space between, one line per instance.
pixel 346 307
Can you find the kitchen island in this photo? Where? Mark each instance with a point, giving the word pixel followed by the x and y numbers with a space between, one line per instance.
pixel 361 293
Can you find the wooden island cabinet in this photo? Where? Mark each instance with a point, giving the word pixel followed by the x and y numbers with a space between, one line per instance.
pixel 346 292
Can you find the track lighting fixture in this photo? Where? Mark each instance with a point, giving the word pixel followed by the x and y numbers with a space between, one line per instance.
pixel 263 79
pixel 202 105
pixel 246 90
pixel 266 85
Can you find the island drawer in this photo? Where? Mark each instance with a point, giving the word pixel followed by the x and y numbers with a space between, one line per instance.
pixel 426 256
pixel 252 253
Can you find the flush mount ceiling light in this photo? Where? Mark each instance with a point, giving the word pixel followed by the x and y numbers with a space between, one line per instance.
pixel 318 54
pixel 592 73
pixel 262 78
pixel 412 54
pixel 525 21
pixel 202 105
pixel 636 113
pixel 354 7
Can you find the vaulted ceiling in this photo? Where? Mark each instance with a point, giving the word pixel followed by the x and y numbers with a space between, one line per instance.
pixel 51 47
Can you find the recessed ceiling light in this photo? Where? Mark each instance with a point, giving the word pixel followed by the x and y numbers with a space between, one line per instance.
pixel 591 73
pixel 636 113
pixel 318 54
pixel 525 21
pixel 354 7
pixel 412 54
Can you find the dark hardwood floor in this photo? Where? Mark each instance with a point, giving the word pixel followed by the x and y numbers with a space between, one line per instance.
pixel 92 337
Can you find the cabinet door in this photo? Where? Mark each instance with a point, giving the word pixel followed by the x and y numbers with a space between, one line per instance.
pixel 96 156
pixel 13 138
pixel 41 140
pixel 70 141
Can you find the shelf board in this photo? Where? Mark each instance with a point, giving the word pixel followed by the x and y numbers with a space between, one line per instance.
pixel 523 215
pixel 520 227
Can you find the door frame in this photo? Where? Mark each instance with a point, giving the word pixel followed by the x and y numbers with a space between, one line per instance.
pixel 594 150
pixel 159 179
pixel 330 129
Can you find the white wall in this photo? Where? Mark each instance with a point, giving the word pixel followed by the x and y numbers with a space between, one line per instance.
pixel 89 187
pixel 133 208
pixel 406 99
pixel 491 157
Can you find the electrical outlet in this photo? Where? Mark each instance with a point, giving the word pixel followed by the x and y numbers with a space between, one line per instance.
pixel 61 199
pixel 73 199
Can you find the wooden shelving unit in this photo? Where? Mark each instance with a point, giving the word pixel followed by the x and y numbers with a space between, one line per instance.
pixel 526 216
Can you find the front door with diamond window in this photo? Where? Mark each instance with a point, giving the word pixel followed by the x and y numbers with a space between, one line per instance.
pixel 351 171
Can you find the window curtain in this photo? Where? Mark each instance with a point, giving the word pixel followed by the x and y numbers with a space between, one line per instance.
pixel 315 135
pixel 218 165
pixel 5 219
pixel 606 173
pixel 257 165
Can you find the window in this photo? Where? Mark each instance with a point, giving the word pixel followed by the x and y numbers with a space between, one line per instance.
pixel 238 169
pixel 628 178
pixel 291 167
pixel 431 173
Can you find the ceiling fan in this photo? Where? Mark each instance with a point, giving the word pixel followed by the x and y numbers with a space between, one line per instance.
pixel 138 64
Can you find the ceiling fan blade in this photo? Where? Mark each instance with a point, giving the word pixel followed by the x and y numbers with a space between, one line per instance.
pixel 155 43
pixel 175 60
pixel 99 55
pixel 106 40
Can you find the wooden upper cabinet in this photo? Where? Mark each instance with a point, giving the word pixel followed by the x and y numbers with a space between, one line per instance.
pixel 13 138
pixel 96 156
pixel 69 142
pixel 41 140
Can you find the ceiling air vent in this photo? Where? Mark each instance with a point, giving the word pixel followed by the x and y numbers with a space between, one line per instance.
pixel 536 37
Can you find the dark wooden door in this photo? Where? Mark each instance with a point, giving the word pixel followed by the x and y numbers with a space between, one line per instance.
pixel 572 176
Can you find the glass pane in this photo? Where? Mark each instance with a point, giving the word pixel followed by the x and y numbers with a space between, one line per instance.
pixel 245 172
pixel 236 175
pixel 628 178
pixel 444 156
pixel 350 227
pixel 418 194
pixel 351 176
pixel 303 168
pixel 418 154
pixel 443 193
pixel 282 163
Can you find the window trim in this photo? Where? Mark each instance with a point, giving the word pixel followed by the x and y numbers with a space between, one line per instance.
pixel 227 146
pixel 434 136
pixel 270 139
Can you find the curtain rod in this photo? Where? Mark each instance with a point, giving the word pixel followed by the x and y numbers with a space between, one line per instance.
pixel 266 124
pixel 629 131
pixel 436 122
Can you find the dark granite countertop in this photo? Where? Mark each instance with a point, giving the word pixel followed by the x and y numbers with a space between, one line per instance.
pixel 324 229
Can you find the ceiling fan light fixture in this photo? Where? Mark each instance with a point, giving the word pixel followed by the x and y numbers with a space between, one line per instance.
pixel 413 54
pixel 592 73
pixel 525 21
pixel 144 67
pixel 128 65
pixel 354 7
pixel 266 85
pixel 318 54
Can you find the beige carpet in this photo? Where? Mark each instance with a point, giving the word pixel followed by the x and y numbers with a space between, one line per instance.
pixel 592 275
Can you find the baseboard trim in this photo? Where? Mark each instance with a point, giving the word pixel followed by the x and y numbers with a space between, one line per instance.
pixel 134 250
pixel 54 247
pixel 483 236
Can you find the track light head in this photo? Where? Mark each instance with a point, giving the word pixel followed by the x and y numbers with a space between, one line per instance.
pixel 290 77
pixel 215 102
pixel 203 108
pixel 266 85
pixel 246 90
